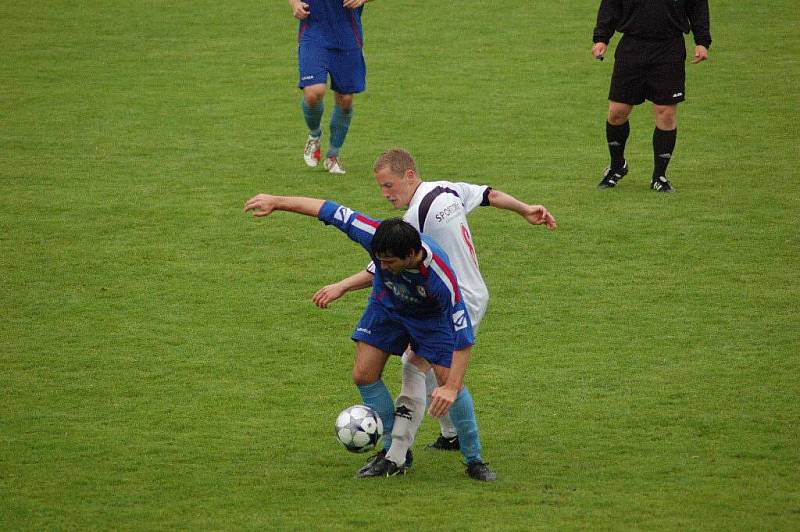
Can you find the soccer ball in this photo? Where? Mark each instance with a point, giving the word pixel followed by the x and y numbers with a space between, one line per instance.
pixel 358 428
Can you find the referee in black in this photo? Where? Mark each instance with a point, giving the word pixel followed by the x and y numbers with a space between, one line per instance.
pixel 649 65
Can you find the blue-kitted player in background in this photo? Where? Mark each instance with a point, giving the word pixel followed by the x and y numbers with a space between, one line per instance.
pixel 330 42
pixel 415 301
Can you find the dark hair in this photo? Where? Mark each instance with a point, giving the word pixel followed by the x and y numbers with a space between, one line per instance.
pixel 396 238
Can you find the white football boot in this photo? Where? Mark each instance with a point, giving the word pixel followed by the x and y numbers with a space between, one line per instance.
pixel 311 151
pixel 333 165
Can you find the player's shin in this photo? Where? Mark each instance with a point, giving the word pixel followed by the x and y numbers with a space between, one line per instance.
pixel 462 412
pixel 409 411
pixel 376 396
pixel 313 117
pixel 340 124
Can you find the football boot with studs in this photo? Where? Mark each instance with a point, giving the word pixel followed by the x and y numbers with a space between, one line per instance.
pixel 478 470
pixel 612 176
pixel 661 184
pixel 444 443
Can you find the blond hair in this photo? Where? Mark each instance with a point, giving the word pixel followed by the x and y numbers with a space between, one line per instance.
pixel 397 160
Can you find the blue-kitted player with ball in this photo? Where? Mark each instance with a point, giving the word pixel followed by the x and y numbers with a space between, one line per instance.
pixel 415 301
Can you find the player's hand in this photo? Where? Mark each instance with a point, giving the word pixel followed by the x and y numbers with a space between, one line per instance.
pixel 539 215
pixel 260 205
pixel 300 10
pixel 700 54
pixel 442 398
pixel 328 294
pixel 353 4
pixel 599 50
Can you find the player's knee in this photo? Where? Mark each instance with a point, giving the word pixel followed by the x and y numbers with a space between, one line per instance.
pixel 345 101
pixel 364 376
pixel 314 96
pixel 617 117
pixel 666 118
pixel 618 113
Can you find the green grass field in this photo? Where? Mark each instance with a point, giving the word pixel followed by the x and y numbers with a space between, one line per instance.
pixel 162 365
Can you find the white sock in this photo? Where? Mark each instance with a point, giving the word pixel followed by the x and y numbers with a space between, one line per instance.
pixel 445 423
pixel 408 414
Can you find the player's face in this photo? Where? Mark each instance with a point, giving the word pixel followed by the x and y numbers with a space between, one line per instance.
pixel 397 189
pixel 394 264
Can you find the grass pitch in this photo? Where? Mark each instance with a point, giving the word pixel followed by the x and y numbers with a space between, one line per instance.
pixel 164 367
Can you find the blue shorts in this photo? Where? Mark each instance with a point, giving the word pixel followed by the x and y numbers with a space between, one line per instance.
pixel 433 339
pixel 346 68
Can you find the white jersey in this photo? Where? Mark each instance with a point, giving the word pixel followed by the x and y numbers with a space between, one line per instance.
pixel 439 209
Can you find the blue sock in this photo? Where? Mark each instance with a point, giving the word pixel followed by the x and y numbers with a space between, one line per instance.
pixel 313 116
pixel 340 123
pixel 462 412
pixel 377 397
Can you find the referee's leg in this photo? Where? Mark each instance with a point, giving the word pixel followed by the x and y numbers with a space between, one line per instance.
pixel 617 131
pixel 665 136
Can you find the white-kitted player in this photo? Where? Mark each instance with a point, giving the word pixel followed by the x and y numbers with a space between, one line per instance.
pixel 438 209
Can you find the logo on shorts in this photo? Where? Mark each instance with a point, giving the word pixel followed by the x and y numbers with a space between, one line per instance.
pixel 677 95
pixel 306 78
pixel 460 320
pixel 362 329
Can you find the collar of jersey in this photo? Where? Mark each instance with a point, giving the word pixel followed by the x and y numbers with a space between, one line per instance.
pixel 428 255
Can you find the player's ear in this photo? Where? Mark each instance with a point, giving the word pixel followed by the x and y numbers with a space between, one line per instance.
pixel 410 174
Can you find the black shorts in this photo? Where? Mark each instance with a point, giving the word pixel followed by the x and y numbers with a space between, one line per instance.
pixel 649 70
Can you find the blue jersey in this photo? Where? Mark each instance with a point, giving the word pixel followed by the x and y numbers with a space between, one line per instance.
pixel 331 25
pixel 430 291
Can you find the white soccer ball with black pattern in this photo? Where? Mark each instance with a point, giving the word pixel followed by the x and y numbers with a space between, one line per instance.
pixel 359 428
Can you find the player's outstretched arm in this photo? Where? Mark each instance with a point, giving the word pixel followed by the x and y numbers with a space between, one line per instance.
pixel 264 204
pixel 535 214
pixel 328 294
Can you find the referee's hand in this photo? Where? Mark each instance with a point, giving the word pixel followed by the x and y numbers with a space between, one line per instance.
pixel 599 50
pixel 700 54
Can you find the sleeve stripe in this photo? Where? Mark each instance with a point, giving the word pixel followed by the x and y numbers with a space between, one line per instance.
pixel 365 224
pixel 485 201
pixel 446 273
pixel 369 221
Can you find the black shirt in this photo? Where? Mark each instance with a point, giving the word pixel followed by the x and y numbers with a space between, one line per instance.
pixel 653 20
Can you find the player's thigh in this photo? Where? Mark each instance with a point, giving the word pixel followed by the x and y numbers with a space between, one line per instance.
pixel 627 83
pixel 420 363
pixel 348 71
pixel 441 373
pixel 666 83
pixel 312 65
pixel 380 328
pixel 432 339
